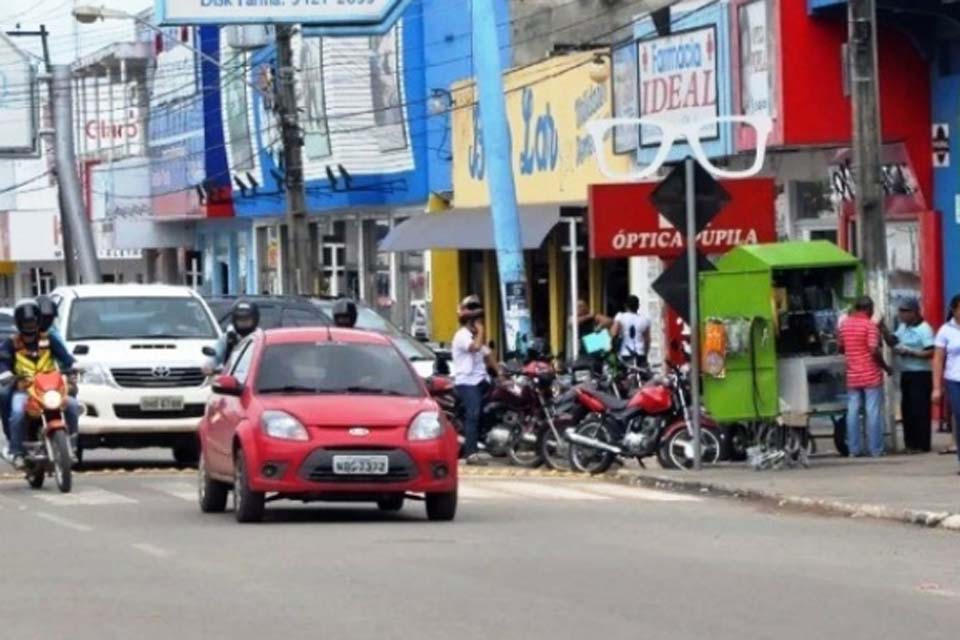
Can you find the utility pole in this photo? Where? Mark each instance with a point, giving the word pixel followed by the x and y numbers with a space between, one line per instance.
pixel 73 214
pixel 300 267
pixel 869 198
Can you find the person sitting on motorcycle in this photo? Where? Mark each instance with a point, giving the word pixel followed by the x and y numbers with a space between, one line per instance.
pixel 28 353
pixel 345 314
pixel 244 320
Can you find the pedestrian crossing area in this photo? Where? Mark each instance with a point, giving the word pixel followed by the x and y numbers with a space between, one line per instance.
pixel 472 491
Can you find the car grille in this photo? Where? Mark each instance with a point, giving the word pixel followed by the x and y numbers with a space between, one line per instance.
pixel 134 412
pixel 318 467
pixel 159 377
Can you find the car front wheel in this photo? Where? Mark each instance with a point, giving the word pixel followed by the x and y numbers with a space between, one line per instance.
pixel 249 505
pixel 441 507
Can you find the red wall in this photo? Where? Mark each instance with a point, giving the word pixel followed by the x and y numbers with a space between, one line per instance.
pixel 815 110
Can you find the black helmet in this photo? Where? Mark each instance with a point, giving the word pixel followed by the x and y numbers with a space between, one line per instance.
pixel 345 314
pixel 245 317
pixel 26 315
pixel 48 312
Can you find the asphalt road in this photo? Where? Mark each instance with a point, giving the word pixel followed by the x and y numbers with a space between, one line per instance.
pixel 129 555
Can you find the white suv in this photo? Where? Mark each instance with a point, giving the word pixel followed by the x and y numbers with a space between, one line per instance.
pixel 142 349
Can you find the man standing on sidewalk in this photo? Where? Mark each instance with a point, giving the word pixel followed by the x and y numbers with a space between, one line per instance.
pixel 469 354
pixel 860 344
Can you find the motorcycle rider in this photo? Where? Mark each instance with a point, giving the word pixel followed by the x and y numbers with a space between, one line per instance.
pixel 244 320
pixel 469 355
pixel 345 314
pixel 27 354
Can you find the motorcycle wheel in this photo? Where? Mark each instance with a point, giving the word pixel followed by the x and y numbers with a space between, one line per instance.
pixel 840 435
pixel 35 478
pixel 556 454
pixel 62 463
pixel 735 440
pixel 676 452
pixel 523 450
pixel 587 459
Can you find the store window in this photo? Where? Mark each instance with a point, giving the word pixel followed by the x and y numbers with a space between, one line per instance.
pixel 333 259
pixel 813 211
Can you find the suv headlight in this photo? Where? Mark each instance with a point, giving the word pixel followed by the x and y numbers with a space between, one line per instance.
pixel 283 426
pixel 426 426
pixel 95 374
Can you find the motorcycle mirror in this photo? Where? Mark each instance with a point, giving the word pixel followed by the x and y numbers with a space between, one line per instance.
pixel 441 366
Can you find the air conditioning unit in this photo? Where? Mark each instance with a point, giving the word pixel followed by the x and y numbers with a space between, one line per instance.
pixel 248 37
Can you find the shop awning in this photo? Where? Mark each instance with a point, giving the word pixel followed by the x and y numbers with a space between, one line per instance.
pixel 466 229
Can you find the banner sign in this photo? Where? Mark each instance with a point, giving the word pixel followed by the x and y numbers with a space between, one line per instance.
pixel 18 104
pixel 624 223
pixel 367 15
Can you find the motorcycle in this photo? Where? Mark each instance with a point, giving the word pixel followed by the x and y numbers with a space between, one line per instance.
pixel 654 421
pixel 46 441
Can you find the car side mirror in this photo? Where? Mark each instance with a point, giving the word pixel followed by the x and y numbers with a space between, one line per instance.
pixel 210 352
pixel 226 385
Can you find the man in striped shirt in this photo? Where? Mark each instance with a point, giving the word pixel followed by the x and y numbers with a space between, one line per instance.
pixel 860 344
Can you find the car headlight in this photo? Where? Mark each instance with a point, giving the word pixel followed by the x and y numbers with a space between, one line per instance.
pixel 95 374
pixel 52 400
pixel 283 426
pixel 426 426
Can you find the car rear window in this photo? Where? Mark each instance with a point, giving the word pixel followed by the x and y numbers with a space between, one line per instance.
pixel 139 318
pixel 334 367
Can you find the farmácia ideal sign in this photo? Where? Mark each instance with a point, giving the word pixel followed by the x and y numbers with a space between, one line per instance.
pixel 331 13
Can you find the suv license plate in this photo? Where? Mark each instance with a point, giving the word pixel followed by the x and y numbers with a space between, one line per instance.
pixel 361 465
pixel 164 403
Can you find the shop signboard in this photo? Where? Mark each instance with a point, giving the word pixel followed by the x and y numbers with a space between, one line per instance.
pixel 625 91
pixel 624 223
pixel 18 101
pixel 758 83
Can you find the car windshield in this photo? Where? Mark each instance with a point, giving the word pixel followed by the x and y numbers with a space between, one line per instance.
pixel 335 368
pixel 139 318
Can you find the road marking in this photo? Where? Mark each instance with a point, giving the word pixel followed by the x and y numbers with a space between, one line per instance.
pixel 63 522
pixel 181 490
pixel 635 493
pixel 90 497
pixel 473 492
pixel 151 550
pixel 545 491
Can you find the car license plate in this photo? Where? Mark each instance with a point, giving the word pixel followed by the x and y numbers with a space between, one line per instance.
pixel 361 465
pixel 162 403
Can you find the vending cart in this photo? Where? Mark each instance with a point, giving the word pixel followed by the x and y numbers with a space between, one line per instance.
pixel 769 316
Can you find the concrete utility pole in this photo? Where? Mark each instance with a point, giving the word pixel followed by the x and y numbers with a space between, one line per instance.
pixel 74 216
pixel 301 271
pixel 869 197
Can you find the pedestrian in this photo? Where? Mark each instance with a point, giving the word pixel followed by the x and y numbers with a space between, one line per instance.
pixel 859 342
pixel 469 355
pixel 632 330
pixel 946 366
pixel 912 342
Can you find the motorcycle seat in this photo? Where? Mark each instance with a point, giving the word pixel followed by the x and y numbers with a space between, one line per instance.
pixel 610 401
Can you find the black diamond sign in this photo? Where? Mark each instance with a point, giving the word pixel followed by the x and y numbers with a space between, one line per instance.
pixel 672 285
pixel 670 197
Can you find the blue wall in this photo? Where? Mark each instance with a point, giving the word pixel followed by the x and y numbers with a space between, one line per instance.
pixel 946 186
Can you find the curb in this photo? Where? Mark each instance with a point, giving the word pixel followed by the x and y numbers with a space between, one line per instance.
pixel 929 519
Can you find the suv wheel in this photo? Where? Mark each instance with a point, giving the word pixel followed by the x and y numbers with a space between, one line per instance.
pixel 248 504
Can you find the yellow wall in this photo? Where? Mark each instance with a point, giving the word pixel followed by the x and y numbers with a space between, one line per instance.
pixel 556 97
pixel 445 275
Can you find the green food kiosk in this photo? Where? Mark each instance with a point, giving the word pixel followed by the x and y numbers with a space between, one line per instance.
pixel 777 308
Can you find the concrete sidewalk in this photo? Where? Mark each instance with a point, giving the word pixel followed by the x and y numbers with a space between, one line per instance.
pixel 919 489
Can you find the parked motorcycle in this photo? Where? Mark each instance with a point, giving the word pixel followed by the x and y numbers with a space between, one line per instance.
pixel 654 421
pixel 47 442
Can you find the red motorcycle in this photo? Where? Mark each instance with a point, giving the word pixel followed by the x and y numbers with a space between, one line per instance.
pixel 654 421
pixel 46 441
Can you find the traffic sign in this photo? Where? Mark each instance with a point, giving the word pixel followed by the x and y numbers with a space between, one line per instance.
pixel 670 197
pixel 672 285
pixel 18 102
pixel 332 17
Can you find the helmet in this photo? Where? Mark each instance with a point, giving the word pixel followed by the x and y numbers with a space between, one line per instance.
pixel 345 314
pixel 26 315
pixel 245 317
pixel 48 312
pixel 470 308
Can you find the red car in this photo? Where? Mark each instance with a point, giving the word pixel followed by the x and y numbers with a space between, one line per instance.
pixel 324 415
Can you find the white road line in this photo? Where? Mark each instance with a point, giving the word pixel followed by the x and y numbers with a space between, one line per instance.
pixel 635 493
pixel 474 492
pixel 186 491
pixel 63 522
pixel 545 491
pixel 90 497
pixel 151 550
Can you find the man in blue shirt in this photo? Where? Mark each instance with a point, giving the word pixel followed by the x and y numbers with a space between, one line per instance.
pixel 912 342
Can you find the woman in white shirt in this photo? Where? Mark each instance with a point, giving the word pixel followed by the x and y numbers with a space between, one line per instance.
pixel 633 330
pixel 946 366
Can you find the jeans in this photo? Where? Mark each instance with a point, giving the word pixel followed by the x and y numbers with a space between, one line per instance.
pixel 6 397
pixel 471 397
pixel 915 407
pixel 18 420
pixel 873 397
pixel 953 395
